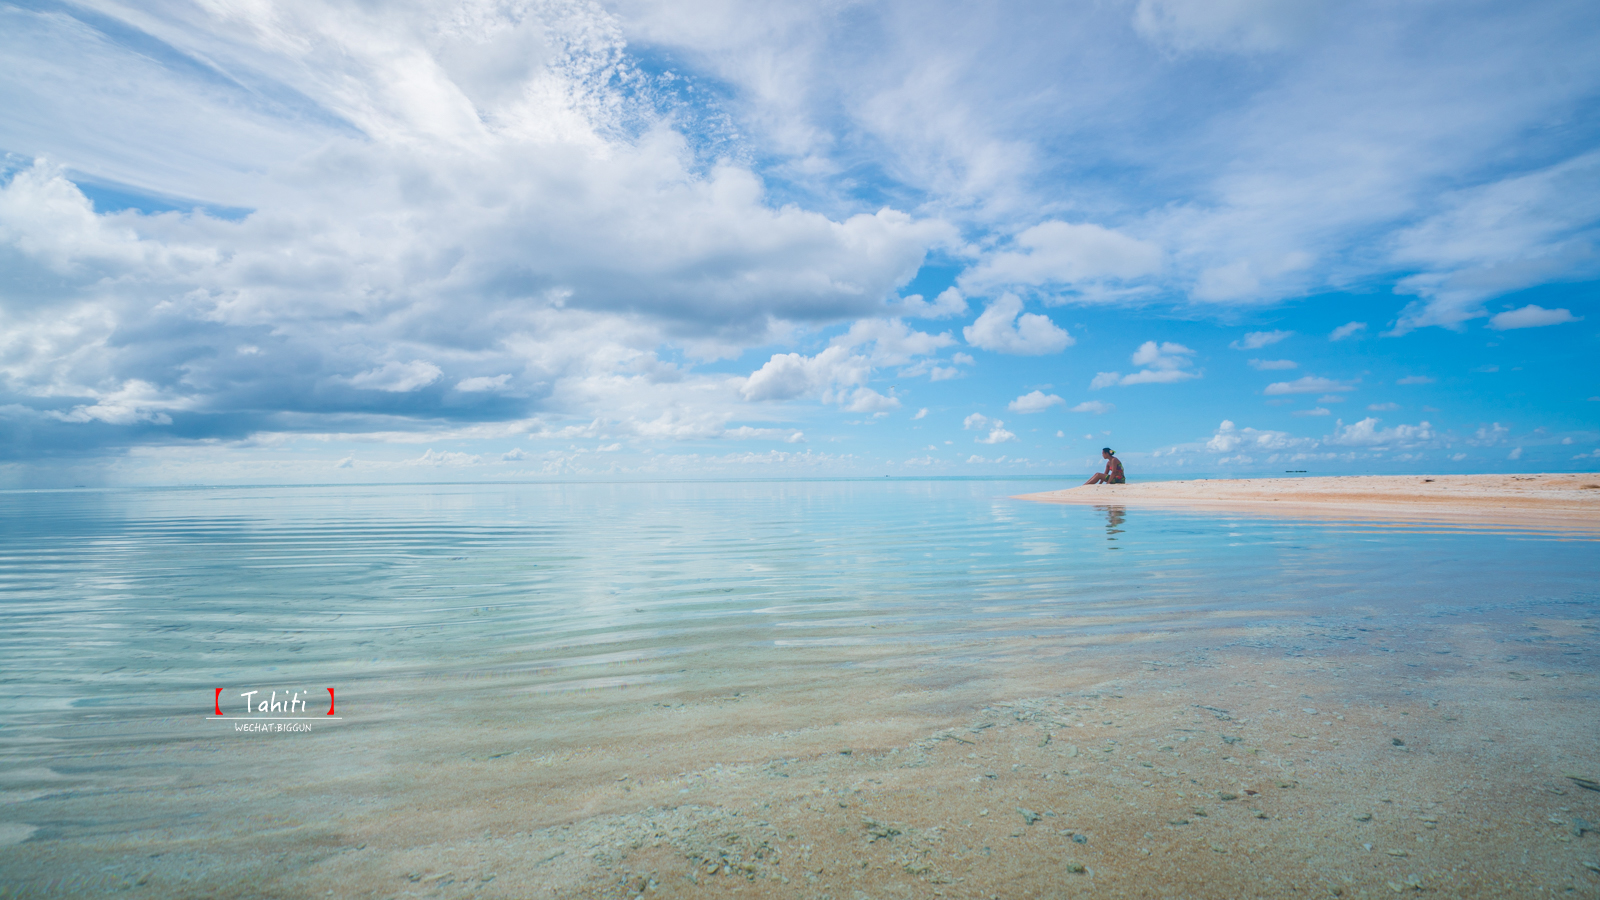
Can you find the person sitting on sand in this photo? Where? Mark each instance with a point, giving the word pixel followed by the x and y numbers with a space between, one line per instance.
pixel 1113 473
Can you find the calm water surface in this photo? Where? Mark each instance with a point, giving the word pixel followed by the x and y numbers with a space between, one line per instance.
pixel 124 610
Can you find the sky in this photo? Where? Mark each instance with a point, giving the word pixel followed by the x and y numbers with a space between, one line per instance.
pixel 493 240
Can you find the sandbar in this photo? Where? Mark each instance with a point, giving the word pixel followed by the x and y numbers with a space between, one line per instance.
pixel 1564 502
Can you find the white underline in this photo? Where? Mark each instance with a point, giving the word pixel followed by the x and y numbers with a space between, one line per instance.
pixel 277 719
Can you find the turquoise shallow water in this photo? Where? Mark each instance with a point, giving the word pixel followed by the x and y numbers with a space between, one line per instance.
pixel 135 604
pixel 124 611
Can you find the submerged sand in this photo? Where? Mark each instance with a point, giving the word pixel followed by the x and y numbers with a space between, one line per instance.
pixel 1551 501
pixel 1453 752
pixel 1355 756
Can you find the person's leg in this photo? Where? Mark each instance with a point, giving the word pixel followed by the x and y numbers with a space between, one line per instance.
pixel 1096 478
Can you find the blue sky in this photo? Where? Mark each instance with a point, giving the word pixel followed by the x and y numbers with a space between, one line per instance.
pixel 507 240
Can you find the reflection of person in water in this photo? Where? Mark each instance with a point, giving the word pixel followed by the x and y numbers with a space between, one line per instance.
pixel 1113 473
pixel 1115 516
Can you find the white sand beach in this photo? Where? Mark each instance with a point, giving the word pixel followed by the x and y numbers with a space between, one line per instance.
pixel 1548 501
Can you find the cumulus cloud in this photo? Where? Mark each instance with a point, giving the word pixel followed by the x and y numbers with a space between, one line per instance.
pixel 1093 406
pixel 524 204
pixel 1317 411
pixel 921 414
pixel 1415 379
pixel 789 375
pixel 135 402
pixel 1310 384
pixel 976 420
pixel 893 342
pixel 1269 365
pixel 1367 433
pixel 1531 316
pixel 1229 438
pixel 1165 363
pixel 1255 340
pixel 997 434
pixel 1489 435
pixel 1001 329
pixel 948 303
pixel 1034 402
pixel 867 400
pixel 1347 330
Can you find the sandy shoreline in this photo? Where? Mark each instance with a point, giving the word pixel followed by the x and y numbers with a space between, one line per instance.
pixel 1560 502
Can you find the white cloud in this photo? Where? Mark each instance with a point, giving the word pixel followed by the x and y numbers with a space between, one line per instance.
pixel 1347 330
pixel 482 383
pixel 1489 435
pixel 348 462
pixel 1031 335
pixel 1166 363
pixel 1521 230
pixel 1367 433
pixel 867 400
pixel 1034 402
pixel 789 375
pixel 1059 253
pixel 1458 457
pixel 1255 340
pixel 976 420
pixel 997 435
pixel 446 459
pixel 1158 376
pixel 1268 365
pixel 1229 437
pixel 921 414
pixel 135 402
pixel 399 378
pixel 1382 407
pixel 1330 398
pixel 1092 406
pixel 747 433
pixel 893 342
pixel 1531 316
pixel 1516 453
pixel 1309 384
pixel 1318 411
pixel 527 198
pixel 1415 379
pixel 948 303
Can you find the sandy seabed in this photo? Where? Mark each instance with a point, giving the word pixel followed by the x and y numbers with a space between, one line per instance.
pixel 1453 753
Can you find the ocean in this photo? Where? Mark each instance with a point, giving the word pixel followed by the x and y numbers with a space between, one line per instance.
pixel 225 690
